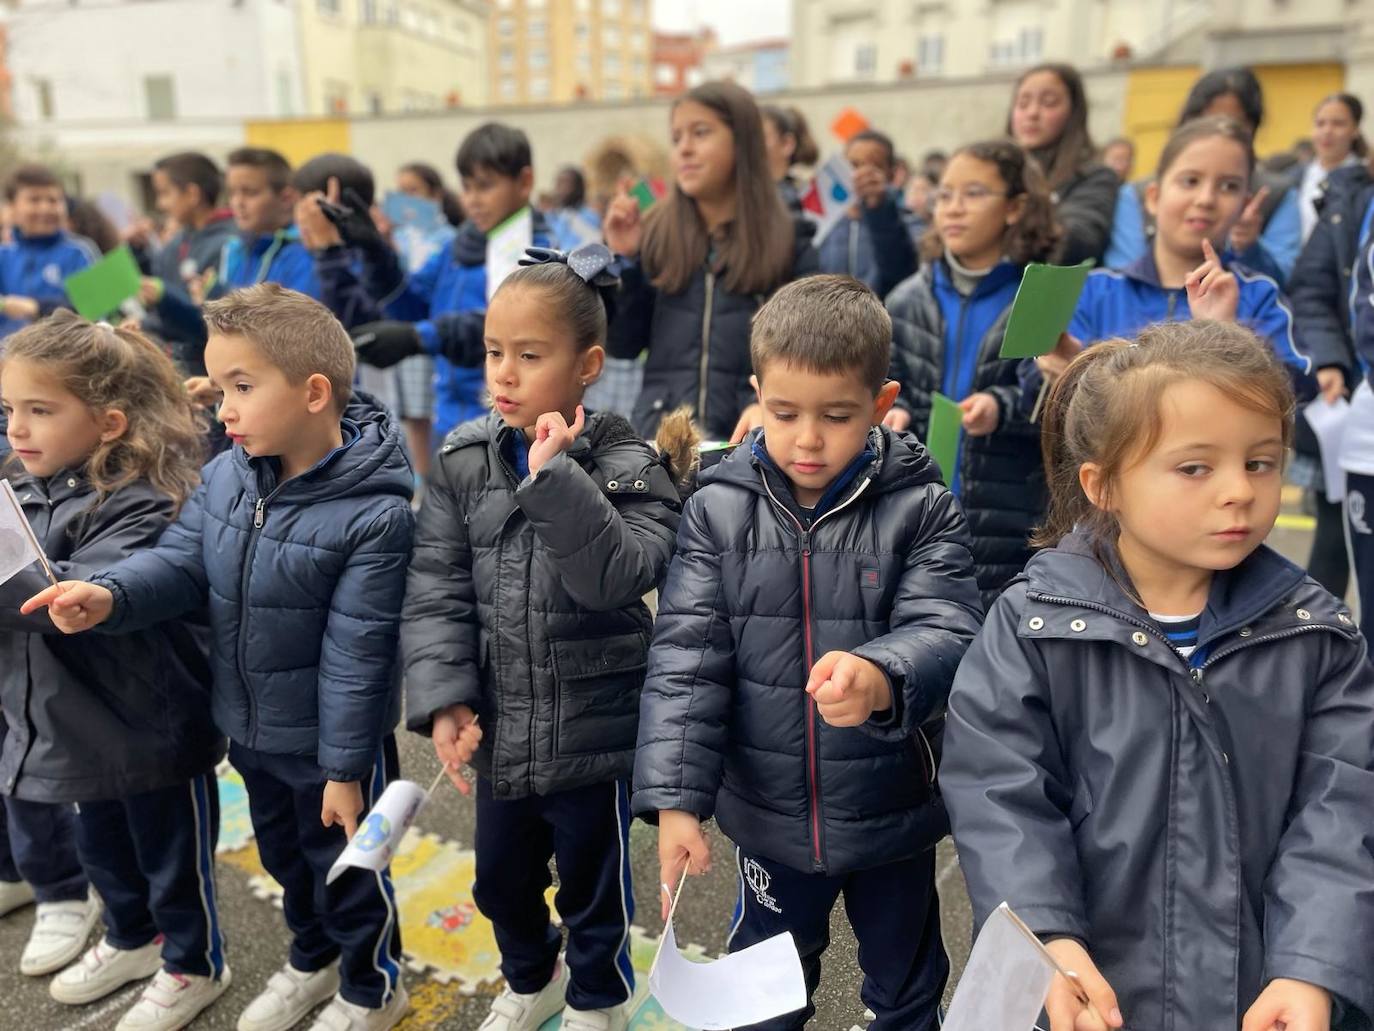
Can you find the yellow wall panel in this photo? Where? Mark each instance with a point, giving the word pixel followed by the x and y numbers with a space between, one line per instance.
pixel 298 140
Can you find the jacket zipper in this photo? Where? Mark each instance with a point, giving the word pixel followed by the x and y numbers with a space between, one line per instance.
pixel 705 346
pixel 813 773
pixel 259 518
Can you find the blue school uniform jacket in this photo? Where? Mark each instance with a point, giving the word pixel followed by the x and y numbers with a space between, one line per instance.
pixel 447 298
pixel 34 266
pixel 1121 304
pixel 304 580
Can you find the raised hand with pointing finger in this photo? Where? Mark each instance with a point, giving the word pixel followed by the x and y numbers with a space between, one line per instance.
pixel 847 689
pixel 553 436
pixel 1213 292
pixel 623 227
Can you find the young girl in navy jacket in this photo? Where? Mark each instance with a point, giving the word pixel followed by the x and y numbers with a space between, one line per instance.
pixel 105 452
pixel 1160 751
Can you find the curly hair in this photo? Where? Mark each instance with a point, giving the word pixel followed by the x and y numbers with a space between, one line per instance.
pixel 1035 234
pixel 108 368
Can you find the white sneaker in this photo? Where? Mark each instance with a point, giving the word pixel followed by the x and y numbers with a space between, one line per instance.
pixel 172 1001
pixel 14 895
pixel 103 969
pixel 511 1011
pixel 613 1019
pixel 59 935
pixel 290 994
pixel 342 1015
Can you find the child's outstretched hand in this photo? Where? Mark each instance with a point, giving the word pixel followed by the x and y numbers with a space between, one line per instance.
pixel 1291 1006
pixel 848 689
pixel 553 436
pixel 456 735
pixel 73 605
pixel 679 839
pixel 343 804
pixel 1063 1006
pixel 1213 293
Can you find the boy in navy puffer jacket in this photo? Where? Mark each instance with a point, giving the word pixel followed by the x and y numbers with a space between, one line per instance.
pixel 299 538
pixel 819 602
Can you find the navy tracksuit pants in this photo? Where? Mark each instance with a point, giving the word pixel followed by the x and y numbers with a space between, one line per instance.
pixel 896 918
pixel 354 919
pixel 586 831
pixel 38 845
pixel 151 856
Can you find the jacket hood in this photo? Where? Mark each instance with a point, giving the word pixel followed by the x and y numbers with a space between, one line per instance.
pixel 372 460
pixel 1077 571
pixel 898 461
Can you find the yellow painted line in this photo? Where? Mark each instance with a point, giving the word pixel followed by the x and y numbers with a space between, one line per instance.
pixel 1296 522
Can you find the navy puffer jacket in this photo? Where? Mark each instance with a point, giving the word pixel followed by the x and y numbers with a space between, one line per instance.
pixel 752 600
pixel 1201 825
pixel 94 717
pixel 305 580
pixel 525 600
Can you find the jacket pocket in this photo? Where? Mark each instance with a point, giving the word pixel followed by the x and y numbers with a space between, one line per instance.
pixel 597 682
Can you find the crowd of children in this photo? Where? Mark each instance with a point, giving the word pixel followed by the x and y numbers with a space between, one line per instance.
pixel 1150 733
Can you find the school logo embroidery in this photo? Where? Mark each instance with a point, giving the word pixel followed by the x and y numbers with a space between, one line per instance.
pixel 758 880
pixel 870 577
pixel 52 274
pixel 1355 506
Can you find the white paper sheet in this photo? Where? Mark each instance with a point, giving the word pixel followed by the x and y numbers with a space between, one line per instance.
pixel 1004 984
pixel 380 833
pixel 506 245
pixel 745 987
pixel 18 548
pixel 1328 423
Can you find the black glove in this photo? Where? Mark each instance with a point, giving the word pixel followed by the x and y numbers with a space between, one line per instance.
pixel 383 344
pixel 354 222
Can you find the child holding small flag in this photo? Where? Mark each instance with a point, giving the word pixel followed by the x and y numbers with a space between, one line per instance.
pixel 298 540
pixel 105 452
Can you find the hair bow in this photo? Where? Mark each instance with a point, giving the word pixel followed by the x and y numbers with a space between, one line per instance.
pixel 592 262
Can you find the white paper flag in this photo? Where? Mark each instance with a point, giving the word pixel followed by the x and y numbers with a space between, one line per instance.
pixel 1328 423
pixel 18 547
pixel 1005 982
pixel 379 835
pixel 745 987
pixel 506 245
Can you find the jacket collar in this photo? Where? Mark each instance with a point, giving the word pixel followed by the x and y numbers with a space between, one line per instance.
pixel 1144 270
pixel 1263 589
pixel 849 483
pixel 999 275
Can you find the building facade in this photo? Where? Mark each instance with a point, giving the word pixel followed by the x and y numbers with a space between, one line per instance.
pixel 761 67
pixel 559 51
pixel 678 58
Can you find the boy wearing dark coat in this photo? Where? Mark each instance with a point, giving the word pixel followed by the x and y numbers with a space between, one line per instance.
pixel 298 538
pixel 820 599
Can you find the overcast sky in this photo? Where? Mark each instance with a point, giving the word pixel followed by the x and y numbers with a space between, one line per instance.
pixel 733 20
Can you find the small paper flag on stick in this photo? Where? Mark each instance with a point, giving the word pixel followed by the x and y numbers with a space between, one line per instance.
pixel 830 194
pixel 19 547
pixel 848 124
pixel 379 835
pixel 647 192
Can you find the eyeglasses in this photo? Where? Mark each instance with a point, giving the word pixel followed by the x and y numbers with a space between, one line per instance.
pixel 971 195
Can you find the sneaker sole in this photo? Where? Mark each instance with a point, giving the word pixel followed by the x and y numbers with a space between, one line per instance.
pixel 290 1020
pixel 53 964
pixel 79 995
pixel 222 986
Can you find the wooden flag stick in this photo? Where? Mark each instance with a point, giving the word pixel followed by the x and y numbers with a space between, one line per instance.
pixel 24 522
pixel 671 910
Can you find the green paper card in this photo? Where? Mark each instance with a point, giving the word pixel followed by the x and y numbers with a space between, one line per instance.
pixel 1043 308
pixel 942 439
pixel 98 291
